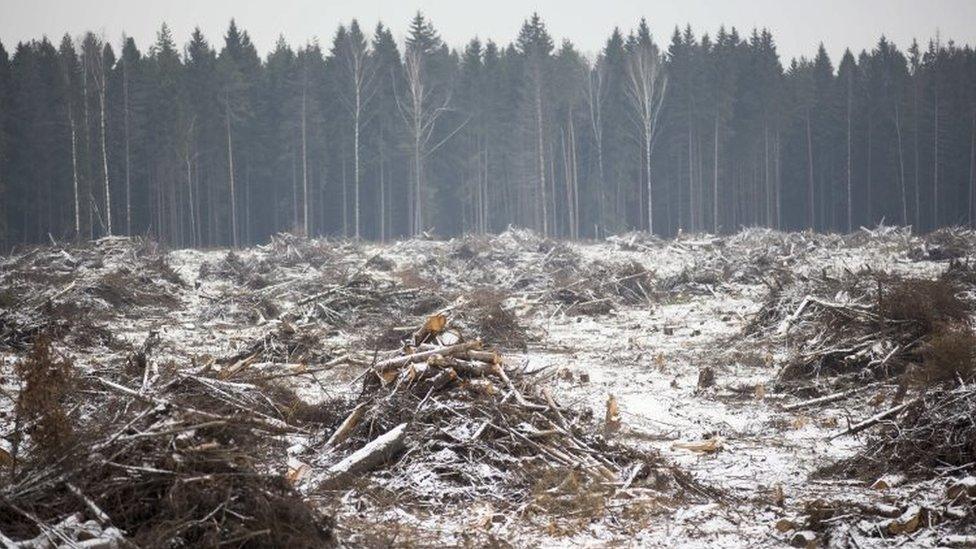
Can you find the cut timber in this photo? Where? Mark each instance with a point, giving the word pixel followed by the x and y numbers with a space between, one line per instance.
pixel 400 361
pixel 708 446
pixel 375 453
pixel 465 368
pixel 434 325
pixel 856 428
pixel 345 429
pixel 828 398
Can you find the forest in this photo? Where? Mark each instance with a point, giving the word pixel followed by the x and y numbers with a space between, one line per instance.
pixel 208 144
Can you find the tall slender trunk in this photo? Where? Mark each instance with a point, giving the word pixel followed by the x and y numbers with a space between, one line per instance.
pixel 305 224
pixel 128 162
pixel 767 192
pixel 692 220
pixel 382 150
pixel 647 164
pixel 108 192
pixel 230 173
pixel 189 187
pixel 90 221
pixel 901 169
pixel 850 156
pixel 418 214
pixel 574 181
pixel 779 184
pixel 294 191
pixel 869 203
pixel 915 117
pixel 542 156
pixel 810 191
pixel 935 177
pixel 355 155
pixel 345 201
pixel 715 183
pixel 74 170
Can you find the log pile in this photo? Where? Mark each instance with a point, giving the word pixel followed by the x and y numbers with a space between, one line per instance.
pixel 446 419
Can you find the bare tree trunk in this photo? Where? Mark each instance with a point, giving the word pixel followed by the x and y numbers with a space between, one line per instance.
pixel 647 165
pixel 74 170
pixel 541 155
pixel 128 163
pixel 915 117
pixel 418 214
pixel 779 185
pixel 230 173
pixel 870 186
pixel 305 224
pixel 935 177
pixel 767 191
pixel 101 103
pixel 850 157
pixel 355 155
pixel 715 183
pixel 345 200
pixel 901 169
pixel 382 148
pixel 693 221
pixel 189 186
pixel 810 191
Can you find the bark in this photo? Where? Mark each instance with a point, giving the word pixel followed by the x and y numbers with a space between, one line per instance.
pixel 230 173
pixel 540 144
pixel 101 105
pixel 715 183
pixel 305 224
pixel 367 458
pixel 810 190
pixel 901 169
pixel 74 170
pixel 382 148
pixel 128 161
pixel 850 156
pixel 935 175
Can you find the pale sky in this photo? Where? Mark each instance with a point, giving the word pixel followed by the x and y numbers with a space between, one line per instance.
pixel 798 26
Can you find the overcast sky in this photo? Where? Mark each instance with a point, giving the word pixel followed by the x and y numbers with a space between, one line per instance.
pixel 798 26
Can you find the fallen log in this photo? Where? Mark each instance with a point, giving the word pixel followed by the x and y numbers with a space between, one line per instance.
pixel 372 455
pixel 827 398
pixel 873 420
pixel 384 366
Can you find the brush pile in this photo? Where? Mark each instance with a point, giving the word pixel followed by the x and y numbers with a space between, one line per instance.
pixel 162 457
pixel 866 330
pixel 73 291
pixel 864 326
pixel 445 420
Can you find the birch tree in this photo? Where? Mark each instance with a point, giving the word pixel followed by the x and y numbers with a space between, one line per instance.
pixel 359 75
pixel 647 84
pixel 70 69
pixel 95 52
pixel 421 104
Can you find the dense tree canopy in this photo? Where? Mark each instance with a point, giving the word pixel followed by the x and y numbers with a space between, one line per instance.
pixel 209 145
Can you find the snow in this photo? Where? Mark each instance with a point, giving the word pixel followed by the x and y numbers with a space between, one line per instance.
pixel 648 356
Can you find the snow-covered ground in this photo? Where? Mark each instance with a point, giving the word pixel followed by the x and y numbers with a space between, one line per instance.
pixel 647 353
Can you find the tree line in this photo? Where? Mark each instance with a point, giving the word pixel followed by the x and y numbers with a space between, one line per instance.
pixel 211 145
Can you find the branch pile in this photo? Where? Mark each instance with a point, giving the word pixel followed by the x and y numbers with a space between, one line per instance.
pixel 164 458
pixel 446 420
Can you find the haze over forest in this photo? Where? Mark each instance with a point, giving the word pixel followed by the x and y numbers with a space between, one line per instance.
pixel 209 144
